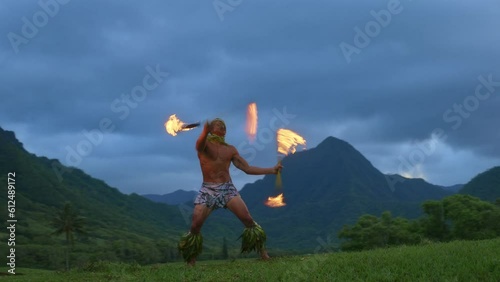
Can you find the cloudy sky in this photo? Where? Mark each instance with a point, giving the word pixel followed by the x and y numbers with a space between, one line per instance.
pixel 413 85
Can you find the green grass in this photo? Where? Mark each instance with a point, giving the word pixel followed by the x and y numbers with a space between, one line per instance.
pixel 454 261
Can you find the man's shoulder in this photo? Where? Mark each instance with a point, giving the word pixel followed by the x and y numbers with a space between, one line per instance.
pixel 233 150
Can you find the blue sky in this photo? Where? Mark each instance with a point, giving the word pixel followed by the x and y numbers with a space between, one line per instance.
pixel 413 85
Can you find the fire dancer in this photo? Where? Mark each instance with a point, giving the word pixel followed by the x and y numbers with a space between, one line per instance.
pixel 218 191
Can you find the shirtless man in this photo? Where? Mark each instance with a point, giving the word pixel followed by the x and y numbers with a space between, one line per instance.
pixel 218 191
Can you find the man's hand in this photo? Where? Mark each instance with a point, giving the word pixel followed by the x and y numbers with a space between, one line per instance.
pixel 277 168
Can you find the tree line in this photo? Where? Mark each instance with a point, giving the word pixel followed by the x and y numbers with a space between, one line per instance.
pixel 457 217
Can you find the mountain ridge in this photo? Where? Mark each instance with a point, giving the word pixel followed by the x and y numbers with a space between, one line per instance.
pixel 177 197
pixel 485 185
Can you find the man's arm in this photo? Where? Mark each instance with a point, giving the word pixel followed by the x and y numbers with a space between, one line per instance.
pixel 202 140
pixel 243 165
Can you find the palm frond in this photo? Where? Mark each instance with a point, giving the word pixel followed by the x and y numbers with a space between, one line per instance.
pixel 253 239
pixel 190 245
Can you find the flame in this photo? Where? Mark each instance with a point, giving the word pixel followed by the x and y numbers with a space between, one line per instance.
pixel 251 128
pixel 275 202
pixel 288 141
pixel 174 125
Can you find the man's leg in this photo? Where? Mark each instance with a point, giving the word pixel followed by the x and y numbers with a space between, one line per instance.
pixel 200 214
pixel 239 208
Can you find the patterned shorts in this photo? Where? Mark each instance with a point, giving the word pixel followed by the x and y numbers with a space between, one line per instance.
pixel 216 195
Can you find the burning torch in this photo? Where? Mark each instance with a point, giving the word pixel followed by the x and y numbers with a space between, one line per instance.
pixel 175 125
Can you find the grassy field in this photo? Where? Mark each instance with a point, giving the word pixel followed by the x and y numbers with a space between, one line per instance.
pixel 455 261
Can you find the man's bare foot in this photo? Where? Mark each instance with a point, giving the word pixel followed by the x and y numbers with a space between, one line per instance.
pixel 264 255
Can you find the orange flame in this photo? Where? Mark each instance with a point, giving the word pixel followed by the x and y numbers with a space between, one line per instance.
pixel 275 202
pixel 251 128
pixel 174 125
pixel 288 141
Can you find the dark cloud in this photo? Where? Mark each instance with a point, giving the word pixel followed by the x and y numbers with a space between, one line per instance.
pixel 81 68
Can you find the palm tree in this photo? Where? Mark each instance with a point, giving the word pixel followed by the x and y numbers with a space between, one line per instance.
pixel 68 221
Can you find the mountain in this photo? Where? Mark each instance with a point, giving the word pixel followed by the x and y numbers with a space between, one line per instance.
pixel 175 198
pixel 329 186
pixel 485 186
pixel 120 227
pixel 415 189
pixel 453 188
